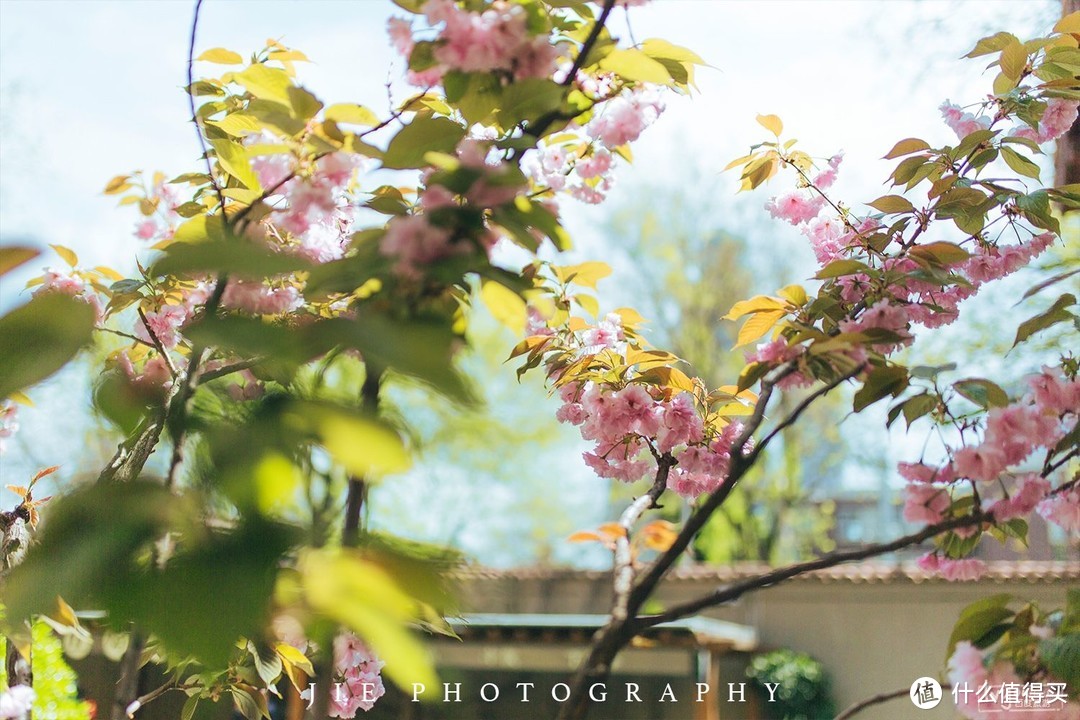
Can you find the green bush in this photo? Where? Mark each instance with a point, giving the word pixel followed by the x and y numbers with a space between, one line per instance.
pixel 54 680
pixel 802 686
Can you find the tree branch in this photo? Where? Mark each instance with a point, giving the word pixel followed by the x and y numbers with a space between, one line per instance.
pixel 734 591
pixel 157 344
pixel 624 559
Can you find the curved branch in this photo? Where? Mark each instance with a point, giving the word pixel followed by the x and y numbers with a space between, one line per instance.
pixel 734 591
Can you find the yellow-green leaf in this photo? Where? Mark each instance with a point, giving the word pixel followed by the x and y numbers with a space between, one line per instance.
pixel 67 254
pixel 586 274
pixel 361 595
pixel 365 448
pixel 772 123
pixel 635 65
pixel 351 114
pixel 760 303
pixel 657 48
pixel 757 325
pixel 13 256
pixel 1013 59
pixel 892 204
pixel 1069 24
pixel 233 158
pixel 505 305
pixel 221 56
pixel 265 83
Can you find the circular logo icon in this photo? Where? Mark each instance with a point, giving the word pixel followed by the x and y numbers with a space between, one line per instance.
pixel 925 693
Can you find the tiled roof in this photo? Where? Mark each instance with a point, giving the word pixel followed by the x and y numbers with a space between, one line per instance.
pixel 1032 572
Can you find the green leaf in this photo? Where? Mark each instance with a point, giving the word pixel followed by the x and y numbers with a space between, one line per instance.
pixel 529 99
pixel 423 135
pixel 906 147
pixel 1048 282
pixel 1061 655
pixel 979 618
pixel 992 44
pixel 882 381
pixel 1013 59
pixel 88 535
pixel 940 253
pixel 236 257
pixel 662 49
pixel 915 407
pixel 422 349
pixel 208 596
pixel 40 337
pixel 1019 163
pixel 635 65
pixel 1054 315
pixel 839 268
pixel 982 392
pixel 892 204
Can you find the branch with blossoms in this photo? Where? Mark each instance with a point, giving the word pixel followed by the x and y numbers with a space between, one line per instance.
pixel 880 277
pixel 322 251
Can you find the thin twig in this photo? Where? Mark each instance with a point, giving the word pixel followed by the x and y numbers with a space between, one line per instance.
pixel 157 344
pixel 208 375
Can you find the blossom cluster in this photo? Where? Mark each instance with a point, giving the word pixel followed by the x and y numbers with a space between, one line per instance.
pixel 358 676
pixel 496 39
pixel 1013 433
pixel 632 422
pixel 980 681
pixel 580 162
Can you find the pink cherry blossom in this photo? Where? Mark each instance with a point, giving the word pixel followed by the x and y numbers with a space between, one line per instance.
pixel 358 680
pixel 595 165
pixel 962 123
pixel 1054 393
pixel 680 424
pixel 963 569
pixel 71 284
pixel 9 422
pixel 1063 509
pixel 623 119
pixel 164 323
pixel 825 179
pixel 925 503
pixel 795 206
pixel 257 297
pixel 984 462
pixel 415 243
pixel 1031 491
pixel 608 333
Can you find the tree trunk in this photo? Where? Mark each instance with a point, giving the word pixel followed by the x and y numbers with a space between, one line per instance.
pixel 1067 157
pixel 14 541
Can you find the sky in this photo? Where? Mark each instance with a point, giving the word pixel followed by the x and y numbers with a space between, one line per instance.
pixel 91 89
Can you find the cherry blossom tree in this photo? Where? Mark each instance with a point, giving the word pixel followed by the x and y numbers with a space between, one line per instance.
pixel 322 253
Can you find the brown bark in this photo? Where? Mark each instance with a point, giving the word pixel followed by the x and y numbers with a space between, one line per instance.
pixel 1067 156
